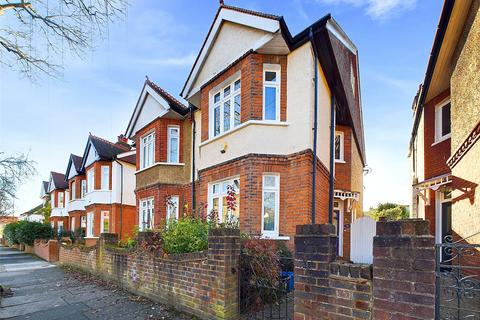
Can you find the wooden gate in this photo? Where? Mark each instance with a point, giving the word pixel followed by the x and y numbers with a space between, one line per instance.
pixel 361 240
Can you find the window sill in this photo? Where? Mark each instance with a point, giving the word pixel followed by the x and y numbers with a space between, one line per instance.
pixel 160 164
pixel 340 161
pixel 92 237
pixel 246 124
pixel 275 237
pixel 441 139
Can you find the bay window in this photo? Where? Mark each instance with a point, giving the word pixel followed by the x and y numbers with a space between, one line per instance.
pixel 218 194
pixel 72 226
pixel 145 219
pixel 89 231
pixel 147 151
pixel 105 183
pixel 172 207
pixel 60 199
pixel 105 222
pixel 173 144
pixel 83 189
pixel 270 205
pixel 73 194
pixel 225 110
pixel 90 179
pixel 271 92
pixel 52 201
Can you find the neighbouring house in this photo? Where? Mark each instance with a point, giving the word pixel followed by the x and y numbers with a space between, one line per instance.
pixel 274 118
pixel 58 192
pixel 444 148
pixel 33 215
pixel 109 200
pixel 77 185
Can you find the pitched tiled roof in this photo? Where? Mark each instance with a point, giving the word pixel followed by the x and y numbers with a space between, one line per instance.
pixel 176 105
pixel 45 186
pixel 59 180
pixel 107 150
pixel 132 159
pixel 77 162
pixel 252 12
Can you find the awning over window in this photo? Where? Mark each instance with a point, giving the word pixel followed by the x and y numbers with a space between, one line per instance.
pixel 431 184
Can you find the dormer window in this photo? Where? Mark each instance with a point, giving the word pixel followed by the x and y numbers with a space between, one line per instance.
pixel 225 108
pixel 147 150
pixel 271 92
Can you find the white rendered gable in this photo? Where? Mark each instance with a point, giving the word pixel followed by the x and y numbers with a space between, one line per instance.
pixel 92 155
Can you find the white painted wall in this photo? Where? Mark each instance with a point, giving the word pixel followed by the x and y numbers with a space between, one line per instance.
pixel 98 196
pixel 59 212
pixel 77 204
pixel 91 158
pixel 128 183
pixel 151 110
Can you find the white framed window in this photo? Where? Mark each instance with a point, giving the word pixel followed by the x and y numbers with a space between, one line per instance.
pixel 91 179
pixel 271 92
pixel 270 205
pixel 339 146
pixel 83 190
pixel 105 183
pixel 83 222
pixel 104 222
pixel 173 203
pixel 442 121
pixel 217 198
pixel 60 199
pixel 225 108
pixel 89 231
pixel 52 224
pixel 145 219
pixel 52 200
pixel 173 146
pixel 60 227
pixel 147 150
pixel 73 194
pixel 72 224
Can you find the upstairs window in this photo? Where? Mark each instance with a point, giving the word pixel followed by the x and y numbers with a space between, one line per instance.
pixel 271 92
pixel 226 108
pixel 105 178
pixel 83 189
pixel 90 179
pixel 442 121
pixel 147 150
pixel 339 147
pixel 52 200
pixel 60 199
pixel 173 144
pixel 73 194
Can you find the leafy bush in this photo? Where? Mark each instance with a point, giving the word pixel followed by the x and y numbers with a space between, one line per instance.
pixel 285 257
pixel 27 232
pixel 185 235
pixel 10 234
pixel 389 211
pixel 127 243
pixel 259 262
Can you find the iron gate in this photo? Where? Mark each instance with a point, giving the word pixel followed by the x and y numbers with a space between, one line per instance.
pixel 457 280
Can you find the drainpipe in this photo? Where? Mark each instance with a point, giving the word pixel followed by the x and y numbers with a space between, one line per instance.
pixel 332 158
pixel 315 129
pixel 194 128
pixel 121 199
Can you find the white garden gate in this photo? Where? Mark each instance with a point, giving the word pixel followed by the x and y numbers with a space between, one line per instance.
pixel 361 240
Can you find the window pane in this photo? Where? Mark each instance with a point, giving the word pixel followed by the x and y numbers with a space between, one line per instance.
pixel 338 146
pixel 271 76
pixel 268 211
pixel 226 116
pixel 215 205
pixel 446 120
pixel 173 156
pixel 224 209
pixel 237 118
pixel 216 98
pixel 270 103
pixel 226 91
pixel 269 181
pixel 236 86
pixel 216 121
pixel 215 189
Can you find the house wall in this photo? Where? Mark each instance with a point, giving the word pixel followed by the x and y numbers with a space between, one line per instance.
pixel 465 82
pixel 123 190
pixel 97 165
pixel 121 220
pixel 417 168
pixel 356 179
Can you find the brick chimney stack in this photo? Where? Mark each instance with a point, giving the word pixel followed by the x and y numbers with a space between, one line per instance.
pixel 123 141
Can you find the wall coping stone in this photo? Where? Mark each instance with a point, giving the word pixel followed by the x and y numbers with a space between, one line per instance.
pixel 315 230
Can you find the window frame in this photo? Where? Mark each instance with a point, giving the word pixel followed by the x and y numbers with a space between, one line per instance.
pixel 61 200
pixel 221 104
pixel 439 137
pixel 220 194
pixel 169 143
pixel 177 209
pixel 52 200
pixel 83 188
pixel 91 179
pixel 89 228
pixel 277 68
pixel 102 178
pixel 72 224
pixel 102 221
pixel 276 231
pixel 150 201
pixel 143 165
pixel 73 195
pixel 342 147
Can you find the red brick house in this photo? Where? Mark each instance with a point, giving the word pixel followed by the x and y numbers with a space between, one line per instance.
pixel 444 150
pixel 58 192
pixel 77 185
pixel 274 116
pixel 109 198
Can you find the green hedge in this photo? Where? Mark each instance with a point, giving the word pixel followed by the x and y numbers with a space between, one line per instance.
pixel 186 235
pixel 26 232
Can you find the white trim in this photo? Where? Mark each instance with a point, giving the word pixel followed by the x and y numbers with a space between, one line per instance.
pixel 337 31
pixel 439 199
pixel 340 225
pixel 212 105
pixel 142 144
pixel 274 238
pixel 269 84
pixel 105 185
pixel 160 164
pixel 445 137
pixel 439 120
pixel 220 194
pixel 169 145
pixel 276 190
pixel 342 146
pixel 176 200
pixel 90 227
pixel 102 220
pixel 245 124
pixel 144 204
pixel 90 178
pixel 92 237
pixel 126 154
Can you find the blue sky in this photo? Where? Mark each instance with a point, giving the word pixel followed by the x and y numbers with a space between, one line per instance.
pixel 51 118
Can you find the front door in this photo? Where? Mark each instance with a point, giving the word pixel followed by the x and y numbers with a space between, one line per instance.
pixel 338 223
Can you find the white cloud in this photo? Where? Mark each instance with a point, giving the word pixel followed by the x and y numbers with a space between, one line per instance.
pixel 377 9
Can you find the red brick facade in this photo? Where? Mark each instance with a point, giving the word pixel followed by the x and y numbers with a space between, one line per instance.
pixel 97 167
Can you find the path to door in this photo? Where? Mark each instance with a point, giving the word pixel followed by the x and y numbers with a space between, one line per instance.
pixel 44 291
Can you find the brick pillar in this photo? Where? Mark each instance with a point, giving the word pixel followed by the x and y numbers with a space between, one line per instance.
pixel 223 256
pixel 53 251
pixel 403 270
pixel 315 249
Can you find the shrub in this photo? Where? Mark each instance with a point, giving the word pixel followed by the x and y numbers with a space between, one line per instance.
pixel 389 211
pixel 285 256
pixel 10 234
pixel 27 232
pixel 186 235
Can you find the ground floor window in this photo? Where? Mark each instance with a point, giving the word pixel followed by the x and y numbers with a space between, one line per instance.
pixel 145 219
pixel 83 222
pixel 224 199
pixel 172 207
pixel 60 227
pixel 90 224
pixel 105 222
pixel 270 204
pixel 72 226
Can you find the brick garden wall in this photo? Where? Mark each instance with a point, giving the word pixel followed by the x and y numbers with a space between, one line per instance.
pixel 46 249
pixel 204 284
